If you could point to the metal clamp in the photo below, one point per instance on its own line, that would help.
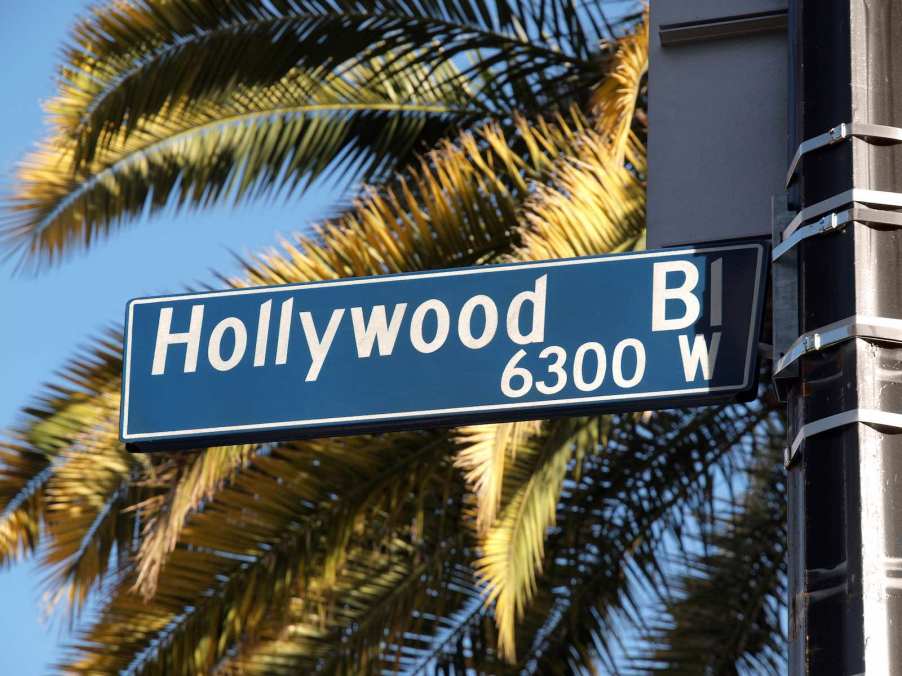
(856, 415)
(879, 197)
(862, 130)
(834, 220)
(856, 326)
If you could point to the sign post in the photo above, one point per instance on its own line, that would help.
(636, 331)
(845, 402)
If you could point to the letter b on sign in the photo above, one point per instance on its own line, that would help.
(681, 297)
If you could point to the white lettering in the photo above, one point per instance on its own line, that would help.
(284, 331)
(537, 298)
(214, 353)
(319, 348)
(441, 330)
(617, 362)
(165, 338)
(601, 365)
(262, 334)
(377, 328)
(661, 293)
(464, 322)
(556, 368)
(511, 371)
(700, 354)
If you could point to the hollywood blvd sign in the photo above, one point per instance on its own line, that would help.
(646, 330)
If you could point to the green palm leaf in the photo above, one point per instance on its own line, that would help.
(292, 517)
(130, 61)
(186, 103)
(230, 148)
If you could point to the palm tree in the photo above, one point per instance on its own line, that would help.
(479, 132)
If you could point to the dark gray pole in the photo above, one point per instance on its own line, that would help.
(845, 406)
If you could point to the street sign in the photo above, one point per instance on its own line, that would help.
(634, 331)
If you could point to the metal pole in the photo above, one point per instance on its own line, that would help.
(845, 405)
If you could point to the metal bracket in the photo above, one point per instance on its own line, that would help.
(785, 284)
(879, 197)
(834, 220)
(856, 326)
(862, 130)
(856, 415)
(722, 27)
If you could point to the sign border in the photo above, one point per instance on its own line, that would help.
(434, 415)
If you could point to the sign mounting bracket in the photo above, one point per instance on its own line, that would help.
(862, 130)
(722, 27)
(857, 326)
(834, 220)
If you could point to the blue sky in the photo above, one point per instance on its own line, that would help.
(49, 316)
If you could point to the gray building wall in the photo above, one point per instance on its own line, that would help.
(717, 120)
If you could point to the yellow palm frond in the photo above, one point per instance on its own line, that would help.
(22, 515)
(594, 205)
(596, 200)
(165, 517)
(182, 102)
(228, 148)
(614, 101)
(458, 207)
(64, 476)
(86, 515)
(289, 522)
(513, 547)
(368, 620)
(486, 450)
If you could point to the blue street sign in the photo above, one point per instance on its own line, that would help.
(635, 331)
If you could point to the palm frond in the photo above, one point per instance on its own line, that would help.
(231, 148)
(485, 451)
(341, 629)
(130, 61)
(86, 517)
(71, 415)
(614, 101)
(185, 103)
(596, 200)
(725, 613)
(594, 205)
(382, 610)
(23, 472)
(616, 522)
(513, 548)
(456, 208)
(291, 517)
(189, 486)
